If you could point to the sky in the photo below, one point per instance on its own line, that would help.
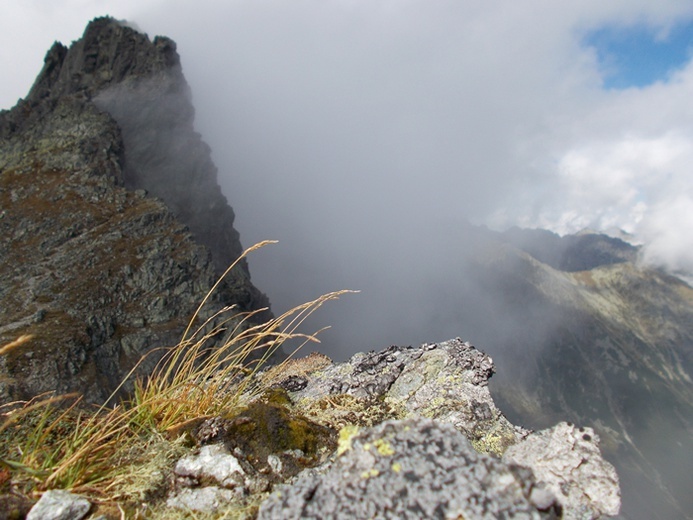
(363, 134)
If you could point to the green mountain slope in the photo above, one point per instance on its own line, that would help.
(612, 347)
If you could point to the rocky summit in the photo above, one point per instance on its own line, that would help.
(114, 227)
(401, 433)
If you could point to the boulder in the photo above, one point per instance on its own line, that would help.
(57, 504)
(567, 460)
(446, 381)
(416, 468)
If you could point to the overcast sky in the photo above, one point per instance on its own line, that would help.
(362, 133)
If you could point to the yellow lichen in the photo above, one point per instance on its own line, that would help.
(345, 436)
(494, 442)
(384, 447)
(370, 473)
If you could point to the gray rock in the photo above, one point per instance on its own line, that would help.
(567, 460)
(205, 499)
(213, 462)
(417, 468)
(57, 504)
(445, 381)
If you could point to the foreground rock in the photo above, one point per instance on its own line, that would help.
(417, 468)
(567, 460)
(445, 381)
(401, 433)
(59, 505)
(316, 439)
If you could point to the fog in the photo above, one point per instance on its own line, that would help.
(365, 135)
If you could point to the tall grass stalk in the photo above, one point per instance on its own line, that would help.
(195, 379)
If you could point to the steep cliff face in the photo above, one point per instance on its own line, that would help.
(113, 225)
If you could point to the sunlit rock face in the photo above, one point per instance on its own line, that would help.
(113, 225)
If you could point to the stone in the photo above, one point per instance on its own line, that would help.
(567, 460)
(57, 504)
(446, 381)
(205, 499)
(416, 468)
(213, 462)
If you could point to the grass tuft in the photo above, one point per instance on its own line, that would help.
(99, 451)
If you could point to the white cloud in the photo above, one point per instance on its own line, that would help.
(668, 231)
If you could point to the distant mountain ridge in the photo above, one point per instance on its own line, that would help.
(608, 343)
(579, 252)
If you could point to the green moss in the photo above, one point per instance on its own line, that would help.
(265, 428)
(277, 396)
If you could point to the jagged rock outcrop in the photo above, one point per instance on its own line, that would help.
(114, 226)
(446, 381)
(348, 440)
(419, 437)
(140, 83)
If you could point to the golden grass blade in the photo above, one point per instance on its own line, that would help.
(16, 343)
(228, 270)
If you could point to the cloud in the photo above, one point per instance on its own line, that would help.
(364, 134)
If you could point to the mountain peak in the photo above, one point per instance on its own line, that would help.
(111, 206)
(109, 52)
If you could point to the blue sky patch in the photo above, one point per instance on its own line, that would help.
(636, 56)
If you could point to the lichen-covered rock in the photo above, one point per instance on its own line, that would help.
(57, 504)
(417, 468)
(270, 437)
(444, 381)
(568, 461)
(388, 461)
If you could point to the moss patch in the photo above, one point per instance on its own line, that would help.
(265, 427)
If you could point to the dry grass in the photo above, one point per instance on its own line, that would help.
(21, 340)
(97, 452)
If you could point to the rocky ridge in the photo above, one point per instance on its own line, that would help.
(352, 440)
(115, 227)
